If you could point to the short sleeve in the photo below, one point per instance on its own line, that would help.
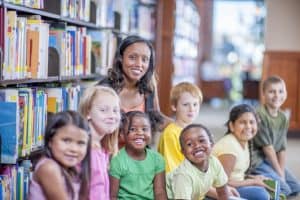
(221, 178)
(262, 137)
(115, 167)
(180, 190)
(284, 137)
(169, 147)
(160, 163)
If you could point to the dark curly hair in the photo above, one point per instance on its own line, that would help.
(116, 74)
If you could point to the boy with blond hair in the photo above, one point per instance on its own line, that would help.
(186, 99)
(270, 143)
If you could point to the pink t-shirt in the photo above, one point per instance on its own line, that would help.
(36, 191)
(99, 188)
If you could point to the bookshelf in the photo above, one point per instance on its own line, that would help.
(186, 42)
(48, 54)
(178, 42)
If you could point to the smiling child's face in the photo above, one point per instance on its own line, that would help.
(139, 134)
(196, 147)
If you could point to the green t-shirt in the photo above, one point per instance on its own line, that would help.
(136, 176)
(271, 131)
(188, 182)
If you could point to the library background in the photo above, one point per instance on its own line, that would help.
(51, 50)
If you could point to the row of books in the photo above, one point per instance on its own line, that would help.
(186, 42)
(187, 9)
(38, 4)
(75, 9)
(104, 46)
(185, 48)
(26, 48)
(129, 16)
(73, 50)
(24, 114)
(14, 181)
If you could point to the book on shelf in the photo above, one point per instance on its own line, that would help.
(8, 132)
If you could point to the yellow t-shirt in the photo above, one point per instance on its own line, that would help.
(169, 146)
(230, 145)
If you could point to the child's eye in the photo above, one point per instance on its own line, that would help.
(81, 143)
(146, 129)
(67, 140)
(116, 110)
(132, 129)
(203, 141)
(189, 144)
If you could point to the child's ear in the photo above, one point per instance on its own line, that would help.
(88, 117)
(173, 108)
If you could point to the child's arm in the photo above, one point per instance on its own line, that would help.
(114, 187)
(222, 193)
(160, 186)
(50, 178)
(281, 159)
(228, 161)
(272, 157)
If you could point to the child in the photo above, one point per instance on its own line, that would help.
(185, 102)
(271, 141)
(101, 107)
(67, 146)
(233, 152)
(137, 172)
(199, 171)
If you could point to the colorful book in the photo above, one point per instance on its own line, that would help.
(274, 190)
(8, 132)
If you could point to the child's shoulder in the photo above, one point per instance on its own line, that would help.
(47, 167)
(170, 129)
(154, 153)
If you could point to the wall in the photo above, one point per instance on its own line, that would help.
(282, 25)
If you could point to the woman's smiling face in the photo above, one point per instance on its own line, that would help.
(135, 60)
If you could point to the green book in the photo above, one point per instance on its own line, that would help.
(274, 190)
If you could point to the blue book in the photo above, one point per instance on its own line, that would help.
(8, 133)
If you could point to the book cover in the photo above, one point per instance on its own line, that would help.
(8, 132)
(274, 190)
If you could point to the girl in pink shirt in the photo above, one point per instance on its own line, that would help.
(63, 172)
(100, 105)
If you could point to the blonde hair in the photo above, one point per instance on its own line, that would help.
(109, 142)
(271, 80)
(182, 87)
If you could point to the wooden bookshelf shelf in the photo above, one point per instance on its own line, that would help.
(27, 80)
(32, 11)
(79, 23)
(50, 15)
(79, 78)
(54, 79)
